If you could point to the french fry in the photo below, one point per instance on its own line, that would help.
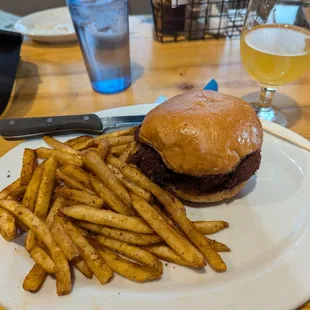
(210, 227)
(10, 188)
(110, 198)
(43, 259)
(69, 203)
(63, 158)
(122, 235)
(80, 197)
(13, 198)
(178, 215)
(218, 246)
(95, 164)
(34, 279)
(77, 174)
(81, 266)
(29, 164)
(133, 187)
(105, 217)
(57, 145)
(128, 269)
(117, 150)
(8, 227)
(124, 132)
(45, 153)
(90, 149)
(114, 161)
(133, 252)
(58, 203)
(103, 148)
(31, 193)
(84, 232)
(30, 241)
(77, 140)
(63, 241)
(168, 234)
(198, 239)
(35, 224)
(63, 276)
(94, 261)
(19, 192)
(73, 184)
(43, 197)
(178, 204)
(166, 218)
(128, 152)
(83, 145)
(21, 227)
(114, 141)
(167, 254)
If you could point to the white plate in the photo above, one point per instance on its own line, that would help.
(268, 267)
(48, 26)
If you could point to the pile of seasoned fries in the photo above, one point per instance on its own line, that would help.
(84, 206)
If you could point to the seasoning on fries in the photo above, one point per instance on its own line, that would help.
(85, 207)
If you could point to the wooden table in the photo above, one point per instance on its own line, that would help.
(52, 80)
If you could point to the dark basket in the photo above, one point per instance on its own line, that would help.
(198, 19)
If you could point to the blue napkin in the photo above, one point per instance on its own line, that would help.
(212, 85)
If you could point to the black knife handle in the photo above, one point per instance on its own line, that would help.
(26, 128)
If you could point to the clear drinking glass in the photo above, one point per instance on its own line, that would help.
(275, 48)
(103, 33)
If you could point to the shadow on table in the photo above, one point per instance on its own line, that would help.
(50, 45)
(284, 103)
(26, 86)
(136, 71)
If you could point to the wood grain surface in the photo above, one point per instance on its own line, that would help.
(52, 80)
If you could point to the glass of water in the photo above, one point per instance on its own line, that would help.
(103, 33)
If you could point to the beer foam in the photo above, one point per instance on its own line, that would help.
(279, 40)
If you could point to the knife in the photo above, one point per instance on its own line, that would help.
(28, 128)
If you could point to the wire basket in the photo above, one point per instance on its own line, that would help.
(180, 20)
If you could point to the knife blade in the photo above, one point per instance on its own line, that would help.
(29, 128)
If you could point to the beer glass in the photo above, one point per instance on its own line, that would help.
(275, 48)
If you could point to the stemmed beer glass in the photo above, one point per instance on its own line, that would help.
(275, 48)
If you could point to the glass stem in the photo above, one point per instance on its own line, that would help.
(264, 103)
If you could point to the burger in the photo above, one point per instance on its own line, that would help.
(203, 146)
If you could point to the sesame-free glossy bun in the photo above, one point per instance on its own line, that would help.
(207, 198)
(201, 133)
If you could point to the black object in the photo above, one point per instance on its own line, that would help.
(27, 128)
(179, 22)
(169, 20)
(10, 45)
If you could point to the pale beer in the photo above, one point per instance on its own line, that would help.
(275, 54)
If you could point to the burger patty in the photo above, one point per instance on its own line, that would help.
(151, 164)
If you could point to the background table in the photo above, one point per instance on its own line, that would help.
(52, 80)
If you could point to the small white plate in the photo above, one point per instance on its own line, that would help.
(268, 267)
(48, 26)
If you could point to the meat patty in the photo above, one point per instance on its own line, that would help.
(151, 164)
